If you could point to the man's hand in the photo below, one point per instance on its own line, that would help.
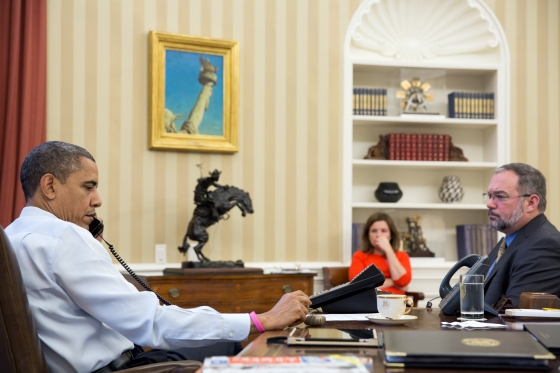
(290, 310)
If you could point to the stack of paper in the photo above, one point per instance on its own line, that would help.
(286, 364)
(526, 312)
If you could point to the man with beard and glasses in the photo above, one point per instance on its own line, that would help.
(528, 257)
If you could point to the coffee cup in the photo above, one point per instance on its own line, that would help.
(394, 306)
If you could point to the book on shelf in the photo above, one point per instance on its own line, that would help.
(357, 229)
(477, 239)
(417, 147)
(471, 105)
(369, 101)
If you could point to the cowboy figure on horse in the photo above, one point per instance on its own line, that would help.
(203, 198)
(211, 206)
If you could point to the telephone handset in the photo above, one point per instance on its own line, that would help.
(95, 228)
(356, 296)
(450, 303)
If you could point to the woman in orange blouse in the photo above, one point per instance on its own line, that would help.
(380, 246)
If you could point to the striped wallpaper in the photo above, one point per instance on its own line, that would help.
(290, 117)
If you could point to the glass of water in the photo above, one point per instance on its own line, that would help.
(472, 297)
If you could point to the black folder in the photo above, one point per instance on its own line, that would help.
(547, 334)
(464, 349)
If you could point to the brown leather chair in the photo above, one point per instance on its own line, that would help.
(334, 276)
(20, 348)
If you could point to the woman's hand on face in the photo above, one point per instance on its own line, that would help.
(383, 244)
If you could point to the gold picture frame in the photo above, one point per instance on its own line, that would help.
(194, 84)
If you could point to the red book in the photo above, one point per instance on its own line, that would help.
(407, 147)
(429, 147)
(414, 147)
(397, 146)
(436, 148)
(439, 148)
(417, 147)
(425, 147)
(391, 140)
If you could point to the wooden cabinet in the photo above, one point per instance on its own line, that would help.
(227, 294)
(469, 56)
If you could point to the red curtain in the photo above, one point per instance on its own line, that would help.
(23, 78)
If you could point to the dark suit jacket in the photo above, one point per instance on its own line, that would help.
(530, 263)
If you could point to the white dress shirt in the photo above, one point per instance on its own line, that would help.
(86, 313)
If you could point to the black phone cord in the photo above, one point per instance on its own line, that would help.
(131, 272)
(429, 303)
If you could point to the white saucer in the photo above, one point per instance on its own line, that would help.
(377, 318)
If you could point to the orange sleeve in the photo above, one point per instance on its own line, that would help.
(404, 259)
(358, 264)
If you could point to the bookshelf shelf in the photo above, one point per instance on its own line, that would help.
(473, 166)
(379, 57)
(419, 206)
(372, 120)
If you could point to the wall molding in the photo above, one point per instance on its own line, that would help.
(417, 31)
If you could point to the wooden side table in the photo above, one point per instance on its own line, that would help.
(227, 294)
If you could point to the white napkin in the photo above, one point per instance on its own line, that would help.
(471, 324)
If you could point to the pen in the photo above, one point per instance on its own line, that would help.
(551, 309)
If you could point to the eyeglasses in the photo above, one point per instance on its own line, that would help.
(500, 198)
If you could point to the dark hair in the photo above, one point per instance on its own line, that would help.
(395, 236)
(531, 181)
(52, 157)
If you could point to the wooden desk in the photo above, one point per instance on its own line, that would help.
(427, 320)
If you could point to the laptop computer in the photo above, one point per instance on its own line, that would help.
(474, 349)
(547, 334)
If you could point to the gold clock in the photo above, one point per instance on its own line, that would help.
(414, 96)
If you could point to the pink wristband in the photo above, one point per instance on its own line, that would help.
(256, 321)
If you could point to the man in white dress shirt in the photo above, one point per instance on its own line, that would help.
(88, 317)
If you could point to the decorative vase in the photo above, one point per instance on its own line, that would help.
(388, 192)
(451, 189)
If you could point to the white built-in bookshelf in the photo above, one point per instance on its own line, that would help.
(456, 46)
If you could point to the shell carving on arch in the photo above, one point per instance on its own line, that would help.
(421, 30)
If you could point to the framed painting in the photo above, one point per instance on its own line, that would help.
(194, 83)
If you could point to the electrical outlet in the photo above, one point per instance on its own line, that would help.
(161, 253)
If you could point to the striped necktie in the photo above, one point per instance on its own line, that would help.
(501, 250)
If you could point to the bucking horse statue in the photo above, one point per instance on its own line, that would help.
(211, 207)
